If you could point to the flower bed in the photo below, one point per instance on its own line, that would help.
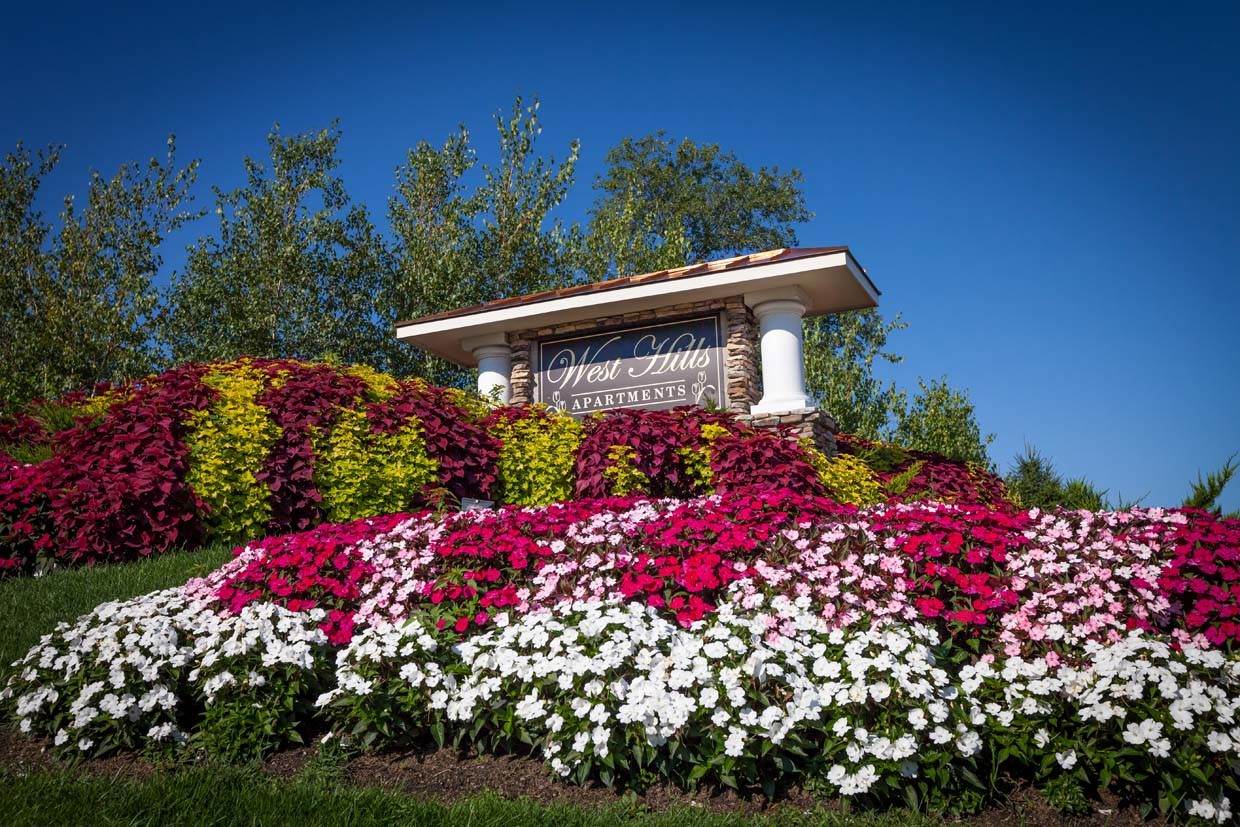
(238, 450)
(921, 652)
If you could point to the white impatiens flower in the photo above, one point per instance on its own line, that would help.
(970, 743)
(1148, 730)
(531, 707)
(1066, 759)
(1218, 742)
(1203, 808)
(734, 746)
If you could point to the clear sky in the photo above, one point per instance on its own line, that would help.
(1049, 196)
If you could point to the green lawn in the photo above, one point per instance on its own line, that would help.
(32, 606)
(205, 797)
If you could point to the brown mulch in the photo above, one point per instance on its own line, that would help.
(446, 776)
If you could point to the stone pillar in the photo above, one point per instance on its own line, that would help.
(783, 357)
(521, 380)
(494, 366)
(742, 356)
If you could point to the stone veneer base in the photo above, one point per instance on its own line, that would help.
(808, 423)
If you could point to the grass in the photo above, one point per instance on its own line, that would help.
(32, 606)
(203, 797)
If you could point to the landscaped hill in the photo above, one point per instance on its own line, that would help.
(670, 597)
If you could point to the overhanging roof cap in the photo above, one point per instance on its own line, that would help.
(830, 277)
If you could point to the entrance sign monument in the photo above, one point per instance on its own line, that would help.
(653, 366)
(688, 336)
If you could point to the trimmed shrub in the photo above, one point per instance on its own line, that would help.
(359, 472)
(229, 443)
(537, 454)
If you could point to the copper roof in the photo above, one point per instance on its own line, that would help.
(702, 269)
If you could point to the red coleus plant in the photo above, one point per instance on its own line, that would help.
(118, 488)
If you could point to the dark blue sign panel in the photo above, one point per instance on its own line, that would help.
(657, 366)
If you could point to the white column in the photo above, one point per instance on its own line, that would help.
(783, 356)
(494, 366)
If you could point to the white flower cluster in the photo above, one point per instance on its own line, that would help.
(587, 679)
(1138, 690)
(126, 670)
(581, 677)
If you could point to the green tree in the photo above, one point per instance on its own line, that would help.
(294, 270)
(458, 244)
(841, 352)
(657, 196)
(941, 418)
(1204, 493)
(76, 303)
(663, 205)
(1034, 483)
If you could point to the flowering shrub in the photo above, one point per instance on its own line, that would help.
(905, 652)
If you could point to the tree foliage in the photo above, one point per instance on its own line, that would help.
(76, 305)
(1034, 483)
(296, 268)
(841, 353)
(1205, 491)
(458, 244)
(941, 419)
(292, 271)
(659, 197)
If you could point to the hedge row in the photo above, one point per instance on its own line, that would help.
(238, 450)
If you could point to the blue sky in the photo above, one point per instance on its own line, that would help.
(1048, 196)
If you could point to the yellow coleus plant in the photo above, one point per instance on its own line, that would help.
(228, 444)
(360, 473)
(698, 460)
(622, 472)
(537, 458)
(847, 478)
(379, 386)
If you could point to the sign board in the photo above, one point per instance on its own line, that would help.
(654, 366)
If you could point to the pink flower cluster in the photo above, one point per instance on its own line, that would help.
(1026, 583)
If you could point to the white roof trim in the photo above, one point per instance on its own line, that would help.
(834, 283)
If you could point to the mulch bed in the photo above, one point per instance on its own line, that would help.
(446, 776)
